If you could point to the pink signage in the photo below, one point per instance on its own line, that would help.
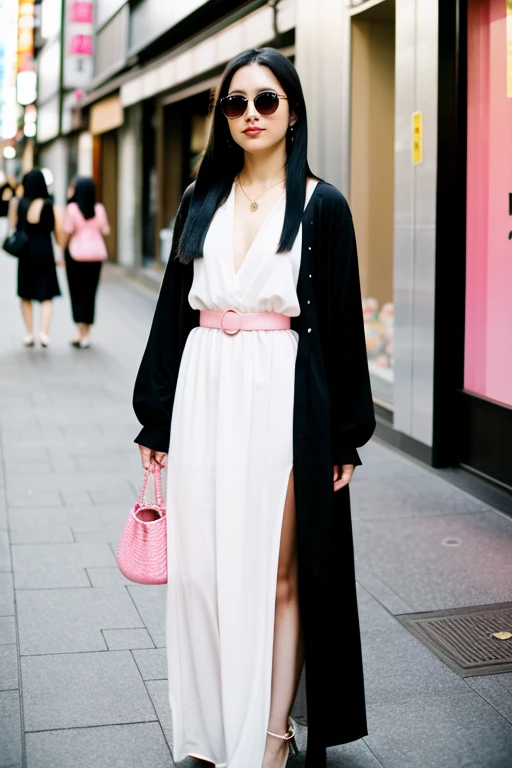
(81, 13)
(488, 345)
(80, 45)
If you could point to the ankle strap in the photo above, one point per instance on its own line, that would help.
(290, 733)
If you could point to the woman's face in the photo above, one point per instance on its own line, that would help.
(252, 131)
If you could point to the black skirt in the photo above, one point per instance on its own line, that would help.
(37, 275)
(83, 278)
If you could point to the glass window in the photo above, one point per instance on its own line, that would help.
(488, 344)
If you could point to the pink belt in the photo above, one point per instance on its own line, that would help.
(231, 321)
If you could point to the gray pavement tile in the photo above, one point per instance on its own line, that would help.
(109, 535)
(83, 689)
(41, 534)
(403, 497)
(26, 497)
(8, 667)
(127, 639)
(455, 729)
(41, 437)
(139, 745)
(7, 630)
(159, 692)
(357, 754)
(15, 453)
(122, 494)
(38, 467)
(152, 663)
(5, 552)
(4, 523)
(6, 595)
(376, 587)
(496, 689)
(69, 481)
(82, 515)
(10, 730)
(372, 614)
(107, 577)
(151, 604)
(61, 460)
(43, 566)
(71, 620)
(409, 556)
(74, 498)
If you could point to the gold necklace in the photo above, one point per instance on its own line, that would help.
(254, 205)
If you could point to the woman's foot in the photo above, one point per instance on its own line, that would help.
(85, 343)
(28, 341)
(44, 339)
(277, 753)
(75, 343)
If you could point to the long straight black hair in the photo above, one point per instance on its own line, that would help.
(85, 196)
(224, 159)
(34, 185)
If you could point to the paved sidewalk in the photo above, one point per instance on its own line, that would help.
(85, 647)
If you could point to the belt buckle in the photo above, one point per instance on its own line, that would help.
(225, 330)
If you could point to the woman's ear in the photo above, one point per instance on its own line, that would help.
(293, 119)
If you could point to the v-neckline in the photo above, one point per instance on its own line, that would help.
(263, 224)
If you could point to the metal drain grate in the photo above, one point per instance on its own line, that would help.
(462, 637)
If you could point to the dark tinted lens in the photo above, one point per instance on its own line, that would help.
(266, 103)
(233, 106)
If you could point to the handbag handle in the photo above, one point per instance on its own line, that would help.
(156, 472)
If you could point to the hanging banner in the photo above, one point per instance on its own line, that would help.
(26, 78)
(78, 45)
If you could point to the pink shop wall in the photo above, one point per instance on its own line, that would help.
(488, 344)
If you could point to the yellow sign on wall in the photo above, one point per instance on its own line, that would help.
(509, 49)
(417, 138)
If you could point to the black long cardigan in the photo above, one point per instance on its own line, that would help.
(333, 415)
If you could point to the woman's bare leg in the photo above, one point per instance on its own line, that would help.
(83, 330)
(46, 315)
(28, 316)
(288, 654)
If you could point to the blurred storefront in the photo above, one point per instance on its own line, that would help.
(476, 187)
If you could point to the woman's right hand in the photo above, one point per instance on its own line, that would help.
(149, 456)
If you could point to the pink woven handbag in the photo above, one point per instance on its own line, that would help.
(142, 550)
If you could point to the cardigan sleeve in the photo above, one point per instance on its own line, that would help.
(156, 380)
(352, 412)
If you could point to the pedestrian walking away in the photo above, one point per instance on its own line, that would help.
(85, 222)
(37, 275)
(7, 187)
(254, 391)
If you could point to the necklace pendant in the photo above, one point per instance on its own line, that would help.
(254, 207)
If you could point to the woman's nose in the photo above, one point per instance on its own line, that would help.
(251, 112)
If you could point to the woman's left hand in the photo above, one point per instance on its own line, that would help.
(342, 475)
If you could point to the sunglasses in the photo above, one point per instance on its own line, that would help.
(265, 103)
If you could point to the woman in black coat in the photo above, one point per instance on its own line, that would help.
(37, 275)
(255, 219)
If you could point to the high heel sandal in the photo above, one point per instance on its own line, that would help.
(289, 736)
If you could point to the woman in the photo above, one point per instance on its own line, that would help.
(37, 274)
(86, 221)
(265, 424)
(6, 194)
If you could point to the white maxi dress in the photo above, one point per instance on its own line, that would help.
(230, 458)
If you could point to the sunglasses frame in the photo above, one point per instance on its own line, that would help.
(224, 98)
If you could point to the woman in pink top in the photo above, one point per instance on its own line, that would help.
(86, 221)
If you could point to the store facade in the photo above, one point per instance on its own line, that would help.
(473, 385)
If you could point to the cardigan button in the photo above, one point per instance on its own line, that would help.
(310, 275)
(309, 247)
(309, 330)
(309, 302)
